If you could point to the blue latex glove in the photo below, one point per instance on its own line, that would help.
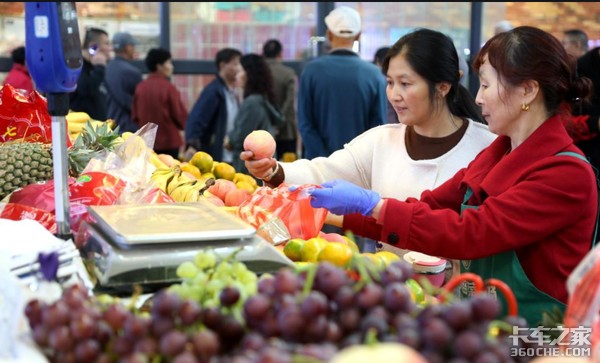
(341, 197)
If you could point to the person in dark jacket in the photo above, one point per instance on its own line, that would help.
(284, 88)
(19, 77)
(258, 111)
(156, 100)
(121, 80)
(90, 94)
(212, 116)
(340, 96)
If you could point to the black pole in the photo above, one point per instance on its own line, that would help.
(475, 43)
(165, 26)
(323, 9)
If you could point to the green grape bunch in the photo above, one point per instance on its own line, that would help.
(205, 280)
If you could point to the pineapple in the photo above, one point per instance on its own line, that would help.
(25, 163)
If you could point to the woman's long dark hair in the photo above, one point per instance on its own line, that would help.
(433, 56)
(259, 79)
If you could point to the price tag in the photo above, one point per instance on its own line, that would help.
(41, 27)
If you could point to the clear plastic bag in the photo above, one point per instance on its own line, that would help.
(584, 299)
(130, 161)
(275, 232)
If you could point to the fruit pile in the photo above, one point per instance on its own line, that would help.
(333, 248)
(184, 181)
(214, 316)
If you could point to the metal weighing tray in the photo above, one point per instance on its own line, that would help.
(130, 225)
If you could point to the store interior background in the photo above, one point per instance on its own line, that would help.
(199, 30)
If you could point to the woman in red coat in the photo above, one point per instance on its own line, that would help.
(525, 210)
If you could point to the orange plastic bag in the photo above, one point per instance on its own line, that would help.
(25, 119)
(293, 208)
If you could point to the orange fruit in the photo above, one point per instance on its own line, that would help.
(378, 261)
(208, 176)
(192, 170)
(337, 253)
(352, 245)
(312, 248)
(248, 179)
(244, 185)
(202, 161)
(224, 171)
(387, 256)
(238, 177)
(289, 157)
(293, 249)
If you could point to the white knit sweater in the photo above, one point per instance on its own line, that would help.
(378, 160)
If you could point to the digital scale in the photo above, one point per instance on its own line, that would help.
(144, 244)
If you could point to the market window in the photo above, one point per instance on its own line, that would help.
(200, 30)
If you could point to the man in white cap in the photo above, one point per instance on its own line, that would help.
(340, 96)
(121, 80)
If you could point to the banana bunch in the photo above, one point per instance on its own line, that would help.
(76, 122)
(163, 177)
(190, 191)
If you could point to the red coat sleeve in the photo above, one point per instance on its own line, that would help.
(541, 204)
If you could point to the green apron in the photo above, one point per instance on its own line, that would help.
(507, 268)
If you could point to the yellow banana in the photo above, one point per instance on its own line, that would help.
(126, 135)
(77, 118)
(133, 148)
(156, 161)
(180, 192)
(193, 194)
(173, 183)
(162, 181)
(163, 176)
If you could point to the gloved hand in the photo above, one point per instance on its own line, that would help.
(341, 197)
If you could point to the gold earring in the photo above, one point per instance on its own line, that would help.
(525, 107)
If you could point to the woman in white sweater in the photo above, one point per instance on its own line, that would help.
(439, 133)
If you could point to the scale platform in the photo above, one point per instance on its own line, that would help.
(144, 244)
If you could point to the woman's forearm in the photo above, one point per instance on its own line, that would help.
(334, 220)
(377, 209)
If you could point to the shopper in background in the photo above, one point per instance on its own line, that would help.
(340, 95)
(391, 117)
(258, 111)
(156, 100)
(440, 129)
(121, 80)
(284, 88)
(90, 94)
(213, 114)
(525, 210)
(18, 76)
(575, 42)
